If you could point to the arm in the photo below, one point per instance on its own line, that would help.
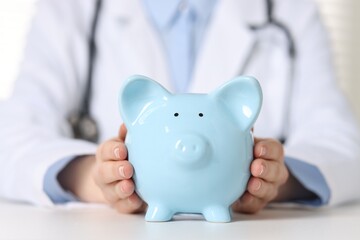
(322, 131)
(323, 138)
(34, 129)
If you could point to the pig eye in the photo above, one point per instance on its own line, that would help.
(176, 114)
(201, 114)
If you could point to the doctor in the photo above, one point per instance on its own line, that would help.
(188, 46)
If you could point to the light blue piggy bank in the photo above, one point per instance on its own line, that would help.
(191, 152)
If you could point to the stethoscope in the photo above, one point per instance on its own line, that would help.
(84, 125)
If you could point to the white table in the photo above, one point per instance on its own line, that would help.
(21, 221)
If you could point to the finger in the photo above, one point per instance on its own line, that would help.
(112, 171)
(261, 189)
(119, 190)
(111, 150)
(270, 171)
(269, 149)
(122, 132)
(248, 204)
(132, 204)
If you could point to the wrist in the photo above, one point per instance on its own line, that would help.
(293, 190)
(77, 178)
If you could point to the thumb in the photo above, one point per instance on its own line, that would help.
(122, 132)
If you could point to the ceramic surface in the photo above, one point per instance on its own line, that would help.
(191, 152)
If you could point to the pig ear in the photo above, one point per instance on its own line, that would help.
(137, 95)
(242, 98)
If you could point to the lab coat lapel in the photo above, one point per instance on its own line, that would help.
(139, 41)
(226, 48)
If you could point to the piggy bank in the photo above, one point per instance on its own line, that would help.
(191, 153)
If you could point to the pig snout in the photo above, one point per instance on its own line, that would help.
(191, 149)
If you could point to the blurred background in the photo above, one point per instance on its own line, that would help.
(340, 17)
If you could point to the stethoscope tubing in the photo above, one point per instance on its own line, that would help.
(89, 131)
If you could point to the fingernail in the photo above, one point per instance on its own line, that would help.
(246, 199)
(133, 200)
(121, 170)
(262, 151)
(260, 170)
(117, 152)
(257, 186)
(130, 200)
(122, 189)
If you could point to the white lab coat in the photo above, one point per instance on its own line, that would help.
(34, 131)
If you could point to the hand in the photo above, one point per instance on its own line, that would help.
(113, 174)
(104, 178)
(268, 174)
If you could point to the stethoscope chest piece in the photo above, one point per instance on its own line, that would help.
(84, 127)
